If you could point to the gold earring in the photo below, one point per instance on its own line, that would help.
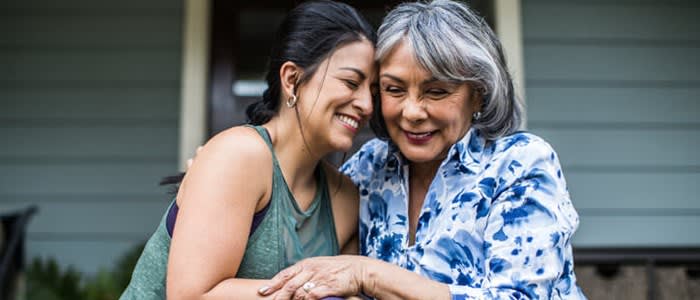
(292, 101)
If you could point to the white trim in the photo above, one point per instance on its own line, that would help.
(195, 62)
(249, 88)
(509, 30)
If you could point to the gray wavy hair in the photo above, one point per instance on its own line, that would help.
(455, 44)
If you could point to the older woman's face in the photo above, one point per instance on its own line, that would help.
(423, 116)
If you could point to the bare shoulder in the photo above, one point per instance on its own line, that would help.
(240, 142)
(238, 147)
(233, 159)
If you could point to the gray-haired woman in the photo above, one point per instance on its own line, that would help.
(455, 202)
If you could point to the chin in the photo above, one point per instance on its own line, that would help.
(341, 145)
(341, 140)
(418, 155)
(420, 158)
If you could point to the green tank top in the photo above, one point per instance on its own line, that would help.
(285, 236)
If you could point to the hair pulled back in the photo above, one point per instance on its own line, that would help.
(307, 35)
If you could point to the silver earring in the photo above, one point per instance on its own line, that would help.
(292, 101)
(476, 115)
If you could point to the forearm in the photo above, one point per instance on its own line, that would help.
(233, 288)
(382, 280)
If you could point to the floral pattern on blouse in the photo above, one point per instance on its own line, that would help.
(496, 222)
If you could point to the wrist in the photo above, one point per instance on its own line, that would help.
(368, 276)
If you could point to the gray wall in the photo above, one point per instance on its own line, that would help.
(89, 106)
(615, 87)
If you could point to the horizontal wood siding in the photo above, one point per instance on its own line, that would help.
(89, 108)
(614, 86)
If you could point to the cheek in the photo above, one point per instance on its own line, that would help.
(338, 95)
(389, 109)
(454, 118)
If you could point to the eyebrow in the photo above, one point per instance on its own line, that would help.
(429, 80)
(392, 77)
(359, 73)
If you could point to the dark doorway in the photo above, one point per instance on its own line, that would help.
(242, 32)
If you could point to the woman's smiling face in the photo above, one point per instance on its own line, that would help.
(337, 100)
(424, 116)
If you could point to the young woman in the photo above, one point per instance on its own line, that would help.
(259, 198)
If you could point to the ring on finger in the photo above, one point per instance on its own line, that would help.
(308, 286)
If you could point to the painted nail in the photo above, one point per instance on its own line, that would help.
(263, 290)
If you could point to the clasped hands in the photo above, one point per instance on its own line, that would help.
(318, 277)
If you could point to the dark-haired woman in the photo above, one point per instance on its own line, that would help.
(259, 198)
(455, 201)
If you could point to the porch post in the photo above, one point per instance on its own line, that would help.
(509, 30)
(194, 78)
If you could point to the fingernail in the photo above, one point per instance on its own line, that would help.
(264, 290)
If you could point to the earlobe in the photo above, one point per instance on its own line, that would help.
(289, 78)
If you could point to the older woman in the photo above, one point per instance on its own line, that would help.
(454, 201)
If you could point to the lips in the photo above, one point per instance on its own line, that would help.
(419, 137)
(349, 122)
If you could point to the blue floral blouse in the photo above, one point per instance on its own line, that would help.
(496, 223)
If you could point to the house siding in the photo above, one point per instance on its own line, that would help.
(89, 107)
(614, 86)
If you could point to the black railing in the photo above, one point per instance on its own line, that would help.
(12, 250)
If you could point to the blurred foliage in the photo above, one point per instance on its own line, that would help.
(47, 281)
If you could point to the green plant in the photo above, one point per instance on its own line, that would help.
(109, 284)
(46, 280)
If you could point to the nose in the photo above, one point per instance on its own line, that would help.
(363, 103)
(413, 110)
